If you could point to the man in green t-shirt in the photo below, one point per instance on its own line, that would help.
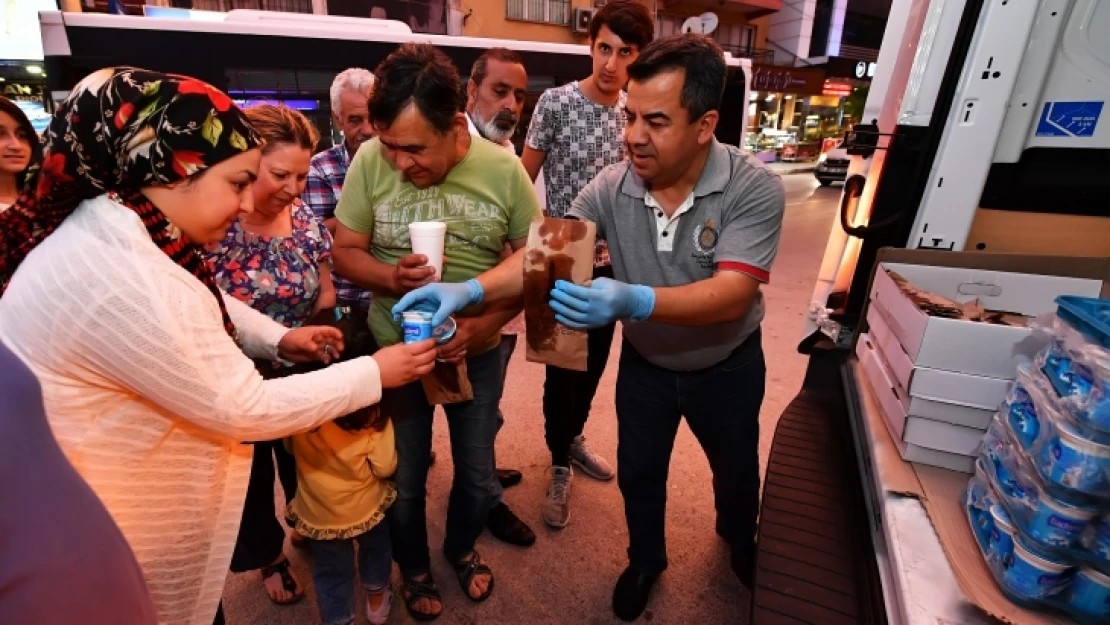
(425, 166)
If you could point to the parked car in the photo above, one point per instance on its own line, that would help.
(832, 166)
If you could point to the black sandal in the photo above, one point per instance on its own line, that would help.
(413, 591)
(287, 581)
(467, 569)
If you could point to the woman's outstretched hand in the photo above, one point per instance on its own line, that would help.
(311, 344)
(400, 364)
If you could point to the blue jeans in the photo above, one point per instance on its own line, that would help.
(472, 426)
(333, 572)
(721, 405)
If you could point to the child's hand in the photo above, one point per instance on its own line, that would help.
(400, 364)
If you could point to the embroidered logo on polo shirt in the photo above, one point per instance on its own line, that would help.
(705, 237)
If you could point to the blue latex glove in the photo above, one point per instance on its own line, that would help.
(444, 299)
(601, 303)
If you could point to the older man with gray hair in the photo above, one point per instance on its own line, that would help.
(350, 92)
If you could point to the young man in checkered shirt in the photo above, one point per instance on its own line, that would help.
(577, 130)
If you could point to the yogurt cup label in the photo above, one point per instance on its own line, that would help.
(1049, 580)
(1068, 525)
(416, 327)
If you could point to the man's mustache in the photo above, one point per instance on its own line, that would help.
(506, 118)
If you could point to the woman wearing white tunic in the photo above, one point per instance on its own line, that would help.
(145, 370)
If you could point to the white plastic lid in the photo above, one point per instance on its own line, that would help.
(427, 227)
(1002, 519)
(1073, 511)
(1096, 576)
(1075, 440)
(1040, 562)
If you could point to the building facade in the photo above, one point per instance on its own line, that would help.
(785, 92)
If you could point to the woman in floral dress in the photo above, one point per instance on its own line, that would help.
(276, 260)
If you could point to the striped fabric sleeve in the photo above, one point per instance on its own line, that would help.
(751, 225)
(761, 275)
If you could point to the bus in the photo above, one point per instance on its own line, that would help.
(292, 57)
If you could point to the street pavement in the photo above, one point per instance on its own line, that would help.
(568, 575)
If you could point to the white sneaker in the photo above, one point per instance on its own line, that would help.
(382, 614)
(556, 508)
(591, 464)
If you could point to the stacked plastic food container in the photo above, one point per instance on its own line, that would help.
(1039, 503)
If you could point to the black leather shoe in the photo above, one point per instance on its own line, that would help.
(508, 477)
(507, 527)
(630, 596)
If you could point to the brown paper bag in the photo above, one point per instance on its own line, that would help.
(558, 249)
(448, 383)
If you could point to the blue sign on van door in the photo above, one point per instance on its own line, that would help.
(1069, 119)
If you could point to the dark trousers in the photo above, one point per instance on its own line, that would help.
(472, 426)
(505, 352)
(261, 536)
(721, 405)
(567, 394)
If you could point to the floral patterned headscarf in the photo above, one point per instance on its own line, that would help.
(120, 130)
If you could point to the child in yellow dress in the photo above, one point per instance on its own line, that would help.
(343, 492)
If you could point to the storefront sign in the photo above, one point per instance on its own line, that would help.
(855, 69)
(21, 93)
(836, 88)
(798, 80)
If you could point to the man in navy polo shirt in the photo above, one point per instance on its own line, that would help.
(693, 228)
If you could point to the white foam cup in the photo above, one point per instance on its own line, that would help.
(427, 239)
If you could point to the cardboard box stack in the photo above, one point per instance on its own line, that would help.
(943, 345)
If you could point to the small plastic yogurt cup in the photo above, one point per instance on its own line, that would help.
(1089, 593)
(1058, 523)
(1034, 576)
(1094, 381)
(1022, 415)
(1069, 459)
(1102, 539)
(1017, 491)
(416, 326)
(1057, 366)
(1002, 535)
